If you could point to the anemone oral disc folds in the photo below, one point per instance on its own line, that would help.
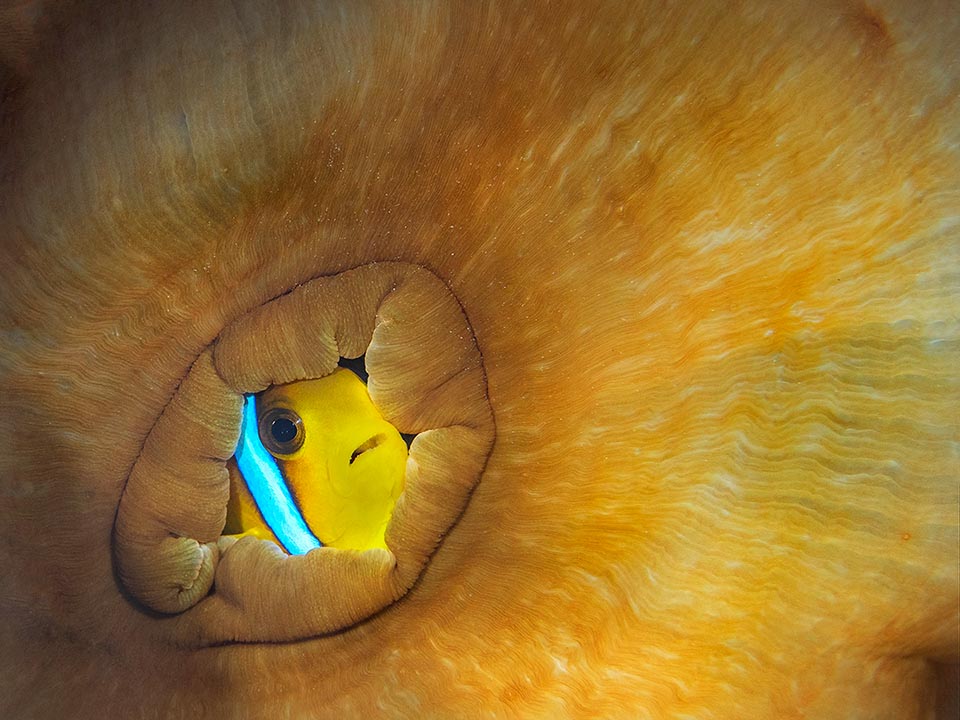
(426, 377)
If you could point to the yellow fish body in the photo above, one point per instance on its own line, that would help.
(342, 464)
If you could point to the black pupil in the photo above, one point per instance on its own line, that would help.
(283, 430)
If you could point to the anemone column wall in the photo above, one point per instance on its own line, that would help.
(708, 254)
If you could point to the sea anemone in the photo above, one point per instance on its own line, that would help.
(664, 296)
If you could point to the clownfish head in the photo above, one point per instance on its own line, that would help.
(316, 465)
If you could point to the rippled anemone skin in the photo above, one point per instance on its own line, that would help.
(709, 255)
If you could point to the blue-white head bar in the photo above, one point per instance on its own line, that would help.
(268, 488)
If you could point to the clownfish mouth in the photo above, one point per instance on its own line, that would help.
(275, 497)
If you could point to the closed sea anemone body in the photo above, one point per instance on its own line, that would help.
(664, 297)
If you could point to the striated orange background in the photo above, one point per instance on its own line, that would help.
(709, 252)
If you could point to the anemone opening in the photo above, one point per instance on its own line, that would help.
(396, 325)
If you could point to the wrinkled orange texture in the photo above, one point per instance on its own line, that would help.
(709, 254)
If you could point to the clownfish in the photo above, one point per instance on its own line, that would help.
(316, 464)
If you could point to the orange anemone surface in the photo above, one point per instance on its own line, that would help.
(667, 293)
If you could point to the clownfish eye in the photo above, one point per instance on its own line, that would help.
(281, 431)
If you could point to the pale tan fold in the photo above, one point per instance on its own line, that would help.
(426, 375)
(174, 504)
